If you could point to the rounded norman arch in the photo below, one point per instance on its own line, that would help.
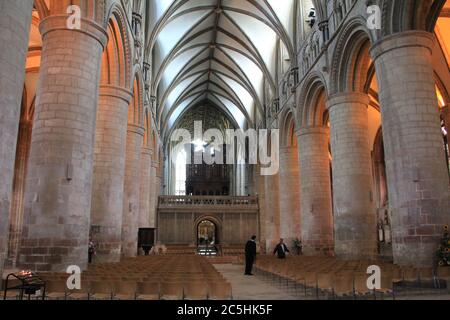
(288, 127)
(351, 60)
(311, 101)
(215, 220)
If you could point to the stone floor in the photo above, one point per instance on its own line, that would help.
(258, 288)
(250, 287)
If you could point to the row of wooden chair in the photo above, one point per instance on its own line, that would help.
(232, 250)
(149, 278)
(346, 278)
(130, 290)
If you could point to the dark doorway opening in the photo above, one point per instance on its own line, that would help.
(146, 239)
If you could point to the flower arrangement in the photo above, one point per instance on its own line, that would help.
(443, 252)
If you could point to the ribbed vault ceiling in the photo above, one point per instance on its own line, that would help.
(221, 52)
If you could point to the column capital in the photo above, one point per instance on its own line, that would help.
(140, 130)
(414, 38)
(87, 26)
(310, 130)
(155, 163)
(347, 97)
(147, 150)
(116, 92)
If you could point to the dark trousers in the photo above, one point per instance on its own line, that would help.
(249, 260)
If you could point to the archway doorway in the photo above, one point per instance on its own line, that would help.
(206, 233)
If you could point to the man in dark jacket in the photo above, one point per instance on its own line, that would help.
(281, 250)
(250, 255)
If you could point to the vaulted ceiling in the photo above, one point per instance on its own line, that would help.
(220, 52)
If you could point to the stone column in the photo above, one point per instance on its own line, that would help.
(445, 111)
(17, 205)
(260, 183)
(315, 189)
(109, 172)
(15, 20)
(131, 192)
(354, 217)
(59, 181)
(289, 195)
(153, 194)
(418, 181)
(158, 180)
(273, 211)
(145, 188)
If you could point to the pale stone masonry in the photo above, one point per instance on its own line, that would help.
(74, 164)
(154, 188)
(315, 182)
(260, 183)
(289, 195)
(59, 182)
(15, 20)
(131, 192)
(416, 170)
(354, 216)
(109, 172)
(145, 218)
(272, 221)
(17, 205)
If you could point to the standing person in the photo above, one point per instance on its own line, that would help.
(250, 255)
(91, 250)
(281, 250)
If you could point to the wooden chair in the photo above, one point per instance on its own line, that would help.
(410, 274)
(343, 286)
(387, 284)
(427, 275)
(195, 290)
(309, 280)
(81, 294)
(172, 290)
(100, 290)
(125, 290)
(324, 282)
(220, 291)
(148, 291)
(443, 275)
(360, 285)
(56, 290)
